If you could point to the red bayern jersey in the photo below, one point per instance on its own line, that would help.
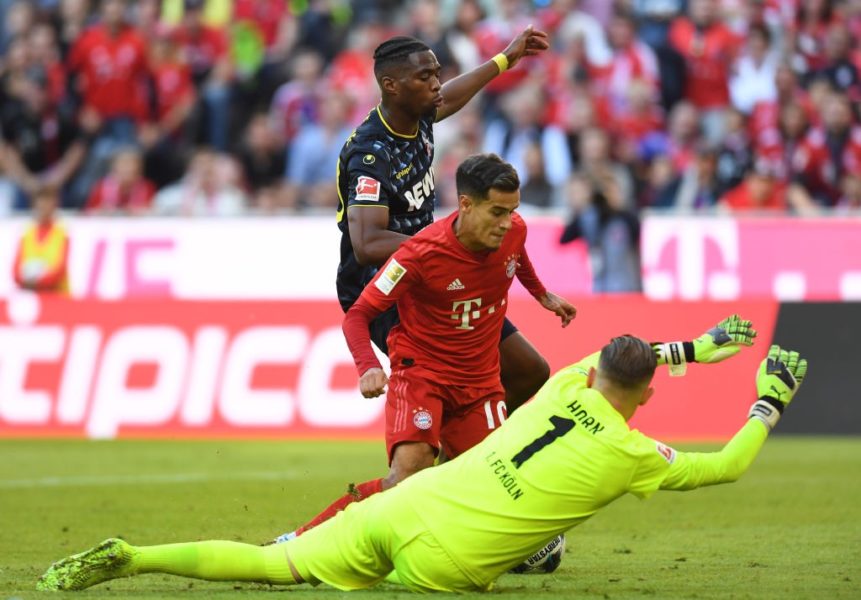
(265, 14)
(708, 55)
(173, 87)
(113, 70)
(451, 302)
(202, 47)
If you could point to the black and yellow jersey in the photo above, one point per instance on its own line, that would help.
(380, 168)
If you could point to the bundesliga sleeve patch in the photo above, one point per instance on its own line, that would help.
(668, 453)
(367, 189)
(389, 278)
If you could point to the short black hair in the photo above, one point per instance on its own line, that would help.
(628, 361)
(395, 52)
(480, 173)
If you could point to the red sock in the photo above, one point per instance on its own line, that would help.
(355, 493)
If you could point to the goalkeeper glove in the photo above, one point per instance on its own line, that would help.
(718, 343)
(779, 377)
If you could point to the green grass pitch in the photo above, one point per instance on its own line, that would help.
(791, 528)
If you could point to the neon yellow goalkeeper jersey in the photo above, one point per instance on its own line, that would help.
(557, 461)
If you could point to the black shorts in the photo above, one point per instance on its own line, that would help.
(382, 325)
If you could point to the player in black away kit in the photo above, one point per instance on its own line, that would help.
(386, 184)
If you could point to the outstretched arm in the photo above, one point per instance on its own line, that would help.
(458, 91)
(777, 381)
(717, 344)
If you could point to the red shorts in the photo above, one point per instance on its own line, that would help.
(456, 418)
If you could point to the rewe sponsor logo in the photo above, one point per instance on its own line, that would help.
(421, 191)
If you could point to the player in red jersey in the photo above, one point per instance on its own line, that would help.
(450, 282)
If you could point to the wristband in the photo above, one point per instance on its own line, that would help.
(677, 355)
(501, 61)
(766, 410)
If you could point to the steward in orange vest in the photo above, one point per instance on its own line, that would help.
(43, 252)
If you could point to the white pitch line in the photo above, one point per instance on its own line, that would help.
(98, 480)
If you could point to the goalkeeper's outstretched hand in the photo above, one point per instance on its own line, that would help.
(780, 374)
(778, 379)
(718, 343)
(724, 340)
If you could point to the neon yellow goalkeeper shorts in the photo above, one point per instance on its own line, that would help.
(361, 545)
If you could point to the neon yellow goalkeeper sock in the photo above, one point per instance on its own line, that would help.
(217, 561)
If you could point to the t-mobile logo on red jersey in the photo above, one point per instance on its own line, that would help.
(468, 310)
(463, 311)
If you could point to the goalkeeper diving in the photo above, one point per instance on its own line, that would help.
(459, 526)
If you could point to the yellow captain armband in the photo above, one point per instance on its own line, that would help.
(501, 61)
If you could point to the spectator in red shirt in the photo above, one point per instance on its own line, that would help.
(777, 145)
(124, 190)
(760, 191)
(167, 138)
(493, 32)
(638, 118)
(352, 70)
(206, 51)
(766, 113)
(272, 19)
(109, 61)
(108, 66)
(827, 154)
(808, 37)
(631, 61)
(709, 48)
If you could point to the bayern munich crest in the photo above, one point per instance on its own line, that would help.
(511, 267)
(422, 419)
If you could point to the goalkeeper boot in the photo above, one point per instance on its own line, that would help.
(545, 560)
(109, 560)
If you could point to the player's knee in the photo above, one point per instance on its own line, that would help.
(521, 365)
(407, 460)
(541, 370)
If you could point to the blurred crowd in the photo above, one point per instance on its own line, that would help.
(230, 107)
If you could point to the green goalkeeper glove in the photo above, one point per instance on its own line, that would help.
(718, 343)
(779, 377)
